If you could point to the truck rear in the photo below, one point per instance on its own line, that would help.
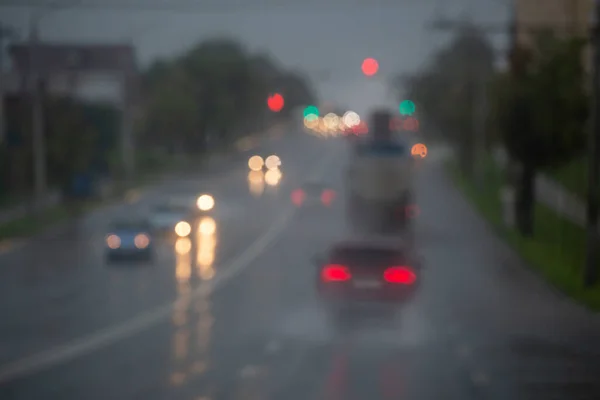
(379, 183)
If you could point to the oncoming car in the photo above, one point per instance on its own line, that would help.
(177, 215)
(129, 239)
(257, 163)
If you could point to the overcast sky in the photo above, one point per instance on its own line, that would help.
(328, 37)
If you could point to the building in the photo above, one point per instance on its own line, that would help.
(565, 17)
(97, 71)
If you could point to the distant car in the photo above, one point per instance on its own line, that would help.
(257, 163)
(313, 194)
(165, 217)
(367, 271)
(129, 239)
(179, 213)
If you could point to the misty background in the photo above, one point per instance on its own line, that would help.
(326, 40)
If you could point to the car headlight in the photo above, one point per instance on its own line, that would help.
(183, 229)
(141, 241)
(205, 202)
(113, 241)
(272, 162)
(256, 163)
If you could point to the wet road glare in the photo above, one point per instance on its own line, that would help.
(231, 312)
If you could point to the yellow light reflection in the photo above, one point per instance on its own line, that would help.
(183, 269)
(207, 243)
(207, 226)
(181, 344)
(183, 246)
(273, 177)
(256, 182)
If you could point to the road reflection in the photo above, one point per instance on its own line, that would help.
(256, 183)
(192, 318)
(273, 177)
(205, 248)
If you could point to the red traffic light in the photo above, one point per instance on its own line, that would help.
(275, 102)
(370, 66)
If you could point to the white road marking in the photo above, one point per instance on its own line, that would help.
(105, 337)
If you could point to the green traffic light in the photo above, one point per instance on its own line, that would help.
(311, 110)
(407, 107)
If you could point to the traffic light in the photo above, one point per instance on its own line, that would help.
(275, 102)
(311, 110)
(370, 66)
(407, 107)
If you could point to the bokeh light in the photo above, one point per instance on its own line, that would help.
(113, 242)
(275, 102)
(419, 150)
(311, 121)
(256, 163)
(407, 107)
(351, 119)
(411, 124)
(183, 245)
(207, 226)
(273, 177)
(327, 197)
(298, 197)
(183, 229)
(370, 66)
(311, 110)
(331, 121)
(205, 202)
(256, 182)
(273, 162)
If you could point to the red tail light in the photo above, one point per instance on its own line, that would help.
(335, 273)
(401, 275)
(298, 196)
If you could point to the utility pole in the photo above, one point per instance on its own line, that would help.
(6, 34)
(38, 139)
(477, 87)
(127, 144)
(593, 197)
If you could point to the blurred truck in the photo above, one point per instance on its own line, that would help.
(379, 182)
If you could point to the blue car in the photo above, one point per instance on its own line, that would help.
(129, 240)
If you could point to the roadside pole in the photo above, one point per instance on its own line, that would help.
(6, 34)
(38, 139)
(593, 197)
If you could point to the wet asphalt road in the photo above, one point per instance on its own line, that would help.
(233, 315)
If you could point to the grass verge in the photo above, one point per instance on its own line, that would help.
(573, 176)
(557, 249)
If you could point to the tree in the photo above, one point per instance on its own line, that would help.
(445, 91)
(214, 93)
(542, 109)
(71, 141)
